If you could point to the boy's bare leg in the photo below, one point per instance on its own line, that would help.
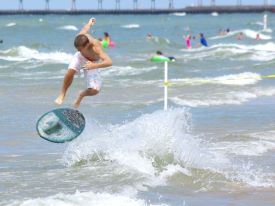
(87, 92)
(68, 79)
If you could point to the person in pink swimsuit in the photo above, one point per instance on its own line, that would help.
(107, 38)
(188, 41)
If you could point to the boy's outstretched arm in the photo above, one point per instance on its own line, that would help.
(88, 26)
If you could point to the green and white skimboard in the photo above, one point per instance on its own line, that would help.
(60, 125)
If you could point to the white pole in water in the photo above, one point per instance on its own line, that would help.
(265, 22)
(165, 86)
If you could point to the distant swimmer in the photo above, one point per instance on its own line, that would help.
(160, 54)
(107, 42)
(107, 37)
(187, 28)
(240, 36)
(149, 36)
(258, 37)
(203, 41)
(224, 32)
(188, 41)
(89, 57)
(1, 41)
(227, 31)
(221, 32)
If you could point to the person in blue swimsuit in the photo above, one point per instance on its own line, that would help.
(203, 40)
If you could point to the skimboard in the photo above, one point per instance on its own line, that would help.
(60, 125)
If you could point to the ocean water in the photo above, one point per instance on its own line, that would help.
(215, 146)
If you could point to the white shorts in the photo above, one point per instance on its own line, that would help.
(93, 78)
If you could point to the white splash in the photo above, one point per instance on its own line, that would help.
(134, 145)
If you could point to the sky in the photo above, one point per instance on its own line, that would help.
(109, 4)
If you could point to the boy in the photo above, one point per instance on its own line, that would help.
(90, 57)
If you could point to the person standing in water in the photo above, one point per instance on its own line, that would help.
(90, 57)
(203, 41)
(188, 41)
(107, 37)
(149, 36)
(107, 42)
(240, 36)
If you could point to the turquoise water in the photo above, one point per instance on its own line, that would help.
(214, 146)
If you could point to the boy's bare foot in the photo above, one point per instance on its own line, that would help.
(59, 100)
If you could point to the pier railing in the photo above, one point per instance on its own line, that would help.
(190, 9)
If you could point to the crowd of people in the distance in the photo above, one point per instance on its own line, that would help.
(203, 42)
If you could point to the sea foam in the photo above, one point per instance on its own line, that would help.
(258, 52)
(83, 198)
(23, 53)
(247, 32)
(234, 98)
(131, 26)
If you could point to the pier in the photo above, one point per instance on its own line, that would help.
(188, 10)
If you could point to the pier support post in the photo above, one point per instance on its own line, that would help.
(73, 5)
(20, 7)
(117, 4)
(135, 4)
